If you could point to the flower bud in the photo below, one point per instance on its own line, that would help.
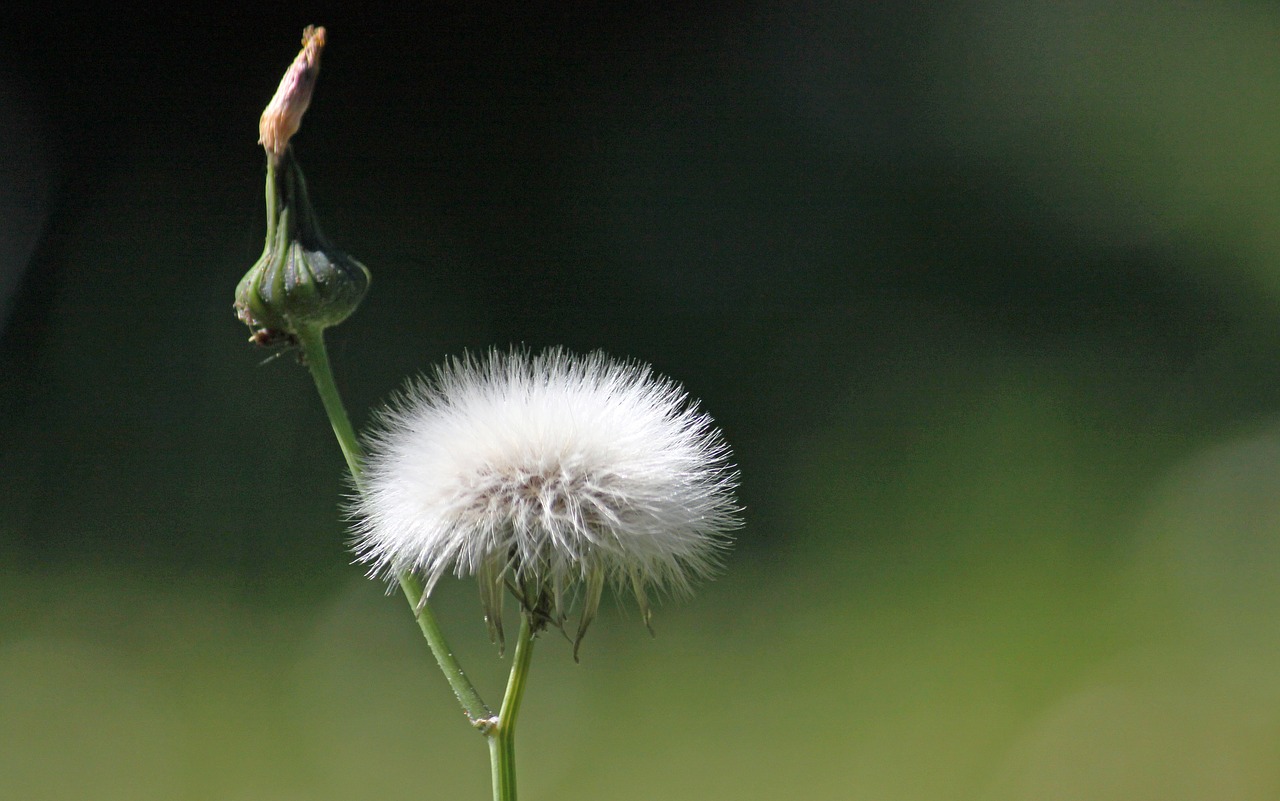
(283, 115)
(301, 281)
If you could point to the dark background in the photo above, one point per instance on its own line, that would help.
(984, 295)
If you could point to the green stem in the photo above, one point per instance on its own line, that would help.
(273, 201)
(478, 712)
(317, 358)
(502, 737)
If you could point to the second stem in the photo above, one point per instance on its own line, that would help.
(502, 738)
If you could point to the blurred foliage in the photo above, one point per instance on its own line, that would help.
(985, 297)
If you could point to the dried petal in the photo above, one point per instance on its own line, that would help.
(283, 115)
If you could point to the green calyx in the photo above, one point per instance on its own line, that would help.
(301, 282)
(544, 600)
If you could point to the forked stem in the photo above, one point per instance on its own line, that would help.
(502, 737)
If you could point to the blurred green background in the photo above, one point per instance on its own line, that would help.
(985, 295)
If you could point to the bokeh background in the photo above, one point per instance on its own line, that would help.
(985, 295)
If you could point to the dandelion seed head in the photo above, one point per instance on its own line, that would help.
(546, 471)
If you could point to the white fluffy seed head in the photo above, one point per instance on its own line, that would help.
(542, 472)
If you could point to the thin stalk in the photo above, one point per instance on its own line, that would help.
(478, 712)
(502, 738)
(273, 200)
(317, 358)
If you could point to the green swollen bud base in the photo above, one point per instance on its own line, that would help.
(301, 280)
